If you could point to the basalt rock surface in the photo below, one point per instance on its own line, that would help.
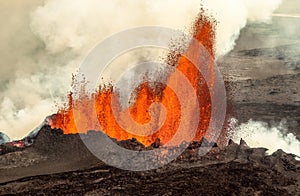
(61, 164)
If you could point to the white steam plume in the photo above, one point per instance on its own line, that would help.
(79, 25)
(68, 29)
(259, 134)
(233, 15)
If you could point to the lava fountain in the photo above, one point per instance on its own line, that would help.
(109, 110)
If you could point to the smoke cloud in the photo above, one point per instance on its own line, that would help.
(51, 41)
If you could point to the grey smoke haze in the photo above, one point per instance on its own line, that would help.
(44, 42)
(31, 78)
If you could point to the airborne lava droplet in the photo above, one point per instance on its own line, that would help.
(145, 95)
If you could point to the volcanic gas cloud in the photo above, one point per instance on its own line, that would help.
(108, 112)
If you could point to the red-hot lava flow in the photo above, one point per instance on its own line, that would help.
(145, 96)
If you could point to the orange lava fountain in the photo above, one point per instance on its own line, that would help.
(145, 95)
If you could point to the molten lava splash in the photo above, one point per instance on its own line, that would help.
(110, 113)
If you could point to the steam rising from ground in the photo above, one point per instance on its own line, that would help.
(260, 134)
(65, 30)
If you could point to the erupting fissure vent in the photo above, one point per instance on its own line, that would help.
(147, 94)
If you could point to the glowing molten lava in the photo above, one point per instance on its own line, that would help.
(109, 111)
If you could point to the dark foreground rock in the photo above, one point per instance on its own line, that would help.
(59, 164)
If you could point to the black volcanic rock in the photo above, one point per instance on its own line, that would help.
(131, 144)
(243, 143)
(203, 143)
(55, 143)
(156, 144)
(236, 170)
(47, 139)
(6, 148)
